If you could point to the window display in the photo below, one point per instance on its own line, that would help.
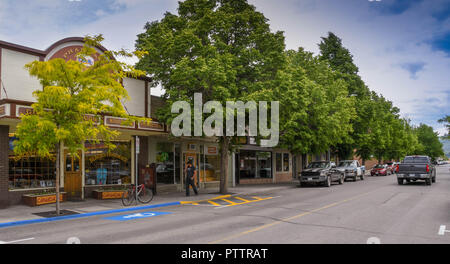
(104, 166)
(30, 172)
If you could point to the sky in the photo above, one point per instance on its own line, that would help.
(402, 47)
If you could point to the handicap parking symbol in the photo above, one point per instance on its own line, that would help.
(135, 216)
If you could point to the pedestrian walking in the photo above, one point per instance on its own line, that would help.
(190, 174)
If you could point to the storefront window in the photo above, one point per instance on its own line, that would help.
(165, 163)
(211, 165)
(278, 162)
(286, 161)
(264, 164)
(30, 172)
(105, 166)
(255, 164)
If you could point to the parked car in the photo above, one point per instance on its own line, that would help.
(391, 167)
(414, 168)
(318, 172)
(380, 169)
(350, 169)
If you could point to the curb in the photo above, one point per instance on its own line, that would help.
(66, 217)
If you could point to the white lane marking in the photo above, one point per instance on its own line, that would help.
(442, 230)
(373, 240)
(73, 240)
(15, 241)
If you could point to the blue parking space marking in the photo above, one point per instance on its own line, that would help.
(135, 216)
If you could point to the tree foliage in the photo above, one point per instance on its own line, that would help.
(223, 49)
(72, 100)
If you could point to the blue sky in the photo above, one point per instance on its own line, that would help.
(402, 47)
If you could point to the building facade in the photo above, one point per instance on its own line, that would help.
(95, 167)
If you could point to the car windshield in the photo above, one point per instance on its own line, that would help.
(345, 163)
(416, 160)
(379, 166)
(317, 165)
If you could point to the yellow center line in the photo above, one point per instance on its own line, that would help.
(286, 219)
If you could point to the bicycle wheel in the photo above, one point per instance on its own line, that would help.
(128, 197)
(145, 195)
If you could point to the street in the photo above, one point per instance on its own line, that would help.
(374, 210)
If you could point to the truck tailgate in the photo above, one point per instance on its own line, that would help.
(412, 168)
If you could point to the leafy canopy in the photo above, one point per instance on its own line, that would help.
(73, 98)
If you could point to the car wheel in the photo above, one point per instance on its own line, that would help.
(400, 181)
(433, 179)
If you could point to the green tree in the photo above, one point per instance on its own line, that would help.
(314, 104)
(223, 49)
(446, 120)
(341, 62)
(429, 143)
(72, 92)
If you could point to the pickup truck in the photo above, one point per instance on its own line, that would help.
(350, 169)
(415, 168)
(318, 172)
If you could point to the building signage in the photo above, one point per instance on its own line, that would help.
(47, 199)
(71, 53)
(211, 150)
(2, 110)
(151, 126)
(24, 110)
(118, 122)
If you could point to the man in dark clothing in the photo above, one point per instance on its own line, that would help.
(190, 174)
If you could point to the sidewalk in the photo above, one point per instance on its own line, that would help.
(23, 212)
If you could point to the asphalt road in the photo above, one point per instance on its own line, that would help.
(376, 208)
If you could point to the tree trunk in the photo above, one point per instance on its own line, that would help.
(58, 169)
(224, 149)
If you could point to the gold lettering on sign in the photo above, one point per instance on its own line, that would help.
(151, 125)
(112, 195)
(25, 110)
(47, 199)
(118, 122)
(2, 110)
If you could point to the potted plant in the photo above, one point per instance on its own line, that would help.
(47, 196)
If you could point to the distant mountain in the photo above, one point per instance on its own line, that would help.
(446, 143)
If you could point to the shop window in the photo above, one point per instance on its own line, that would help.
(255, 164)
(286, 162)
(278, 162)
(165, 163)
(104, 166)
(210, 166)
(264, 164)
(30, 172)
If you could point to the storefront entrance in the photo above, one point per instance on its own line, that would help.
(72, 176)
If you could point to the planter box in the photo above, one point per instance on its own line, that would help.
(35, 200)
(107, 194)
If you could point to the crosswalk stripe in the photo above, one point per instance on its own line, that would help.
(214, 203)
(242, 199)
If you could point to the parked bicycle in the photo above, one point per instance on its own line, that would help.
(144, 194)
